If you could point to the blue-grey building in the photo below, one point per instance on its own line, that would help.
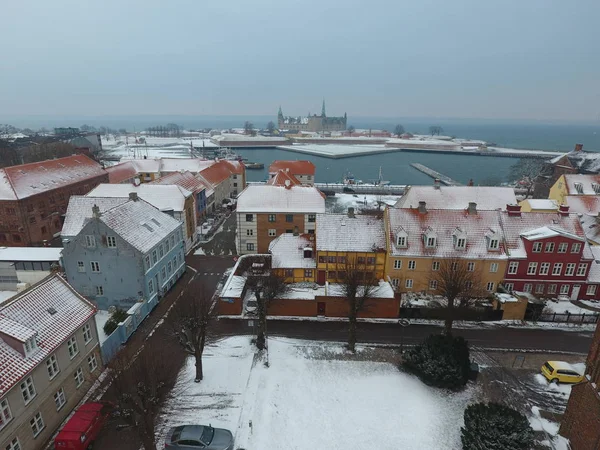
(121, 251)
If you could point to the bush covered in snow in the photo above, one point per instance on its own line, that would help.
(441, 361)
(113, 322)
(496, 426)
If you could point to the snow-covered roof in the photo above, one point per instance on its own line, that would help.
(288, 251)
(594, 273)
(163, 197)
(220, 171)
(280, 199)
(585, 161)
(591, 227)
(282, 178)
(122, 172)
(548, 232)
(234, 287)
(542, 204)
(293, 167)
(578, 184)
(14, 254)
(53, 311)
(361, 233)
(186, 180)
(584, 204)
(506, 298)
(80, 210)
(18, 182)
(458, 197)
(189, 164)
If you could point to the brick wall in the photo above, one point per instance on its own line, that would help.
(581, 421)
(280, 226)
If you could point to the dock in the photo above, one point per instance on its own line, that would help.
(435, 174)
(341, 188)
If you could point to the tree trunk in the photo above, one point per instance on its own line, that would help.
(449, 318)
(352, 332)
(199, 373)
(147, 434)
(261, 333)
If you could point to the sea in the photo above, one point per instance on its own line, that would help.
(395, 167)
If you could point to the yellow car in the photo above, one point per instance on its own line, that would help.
(561, 372)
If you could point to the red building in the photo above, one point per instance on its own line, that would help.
(34, 197)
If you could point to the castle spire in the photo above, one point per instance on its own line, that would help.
(280, 113)
(323, 109)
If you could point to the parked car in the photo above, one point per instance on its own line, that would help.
(83, 427)
(194, 437)
(561, 372)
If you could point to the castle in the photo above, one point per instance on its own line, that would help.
(312, 123)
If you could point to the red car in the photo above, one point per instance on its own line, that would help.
(83, 427)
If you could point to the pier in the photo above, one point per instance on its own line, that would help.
(434, 174)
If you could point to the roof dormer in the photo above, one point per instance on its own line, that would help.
(459, 239)
(18, 336)
(429, 238)
(492, 239)
(401, 238)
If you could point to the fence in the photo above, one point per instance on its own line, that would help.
(472, 314)
(568, 318)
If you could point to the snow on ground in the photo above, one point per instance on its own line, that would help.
(101, 317)
(5, 295)
(563, 307)
(538, 423)
(338, 150)
(592, 303)
(301, 403)
(563, 389)
(341, 202)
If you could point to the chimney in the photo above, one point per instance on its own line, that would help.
(578, 147)
(472, 208)
(96, 212)
(436, 183)
(563, 210)
(351, 213)
(133, 196)
(422, 208)
(288, 184)
(513, 210)
(136, 181)
(296, 231)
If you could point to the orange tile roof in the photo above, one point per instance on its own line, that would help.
(282, 177)
(218, 172)
(121, 172)
(294, 167)
(186, 180)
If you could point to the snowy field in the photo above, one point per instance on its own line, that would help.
(153, 147)
(341, 202)
(563, 307)
(337, 150)
(304, 401)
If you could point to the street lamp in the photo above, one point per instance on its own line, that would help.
(403, 324)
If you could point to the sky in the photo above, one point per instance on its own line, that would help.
(510, 59)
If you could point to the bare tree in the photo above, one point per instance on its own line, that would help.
(358, 285)
(140, 385)
(249, 128)
(271, 127)
(460, 284)
(351, 130)
(532, 175)
(399, 130)
(435, 129)
(192, 322)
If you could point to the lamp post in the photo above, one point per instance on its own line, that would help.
(403, 324)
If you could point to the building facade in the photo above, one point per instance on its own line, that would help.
(49, 360)
(21, 267)
(34, 197)
(312, 123)
(119, 255)
(304, 171)
(188, 181)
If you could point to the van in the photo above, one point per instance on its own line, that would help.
(561, 372)
(83, 427)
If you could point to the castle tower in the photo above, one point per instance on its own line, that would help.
(323, 109)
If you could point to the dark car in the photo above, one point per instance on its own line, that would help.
(194, 437)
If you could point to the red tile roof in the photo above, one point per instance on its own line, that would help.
(18, 182)
(122, 172)
(186, 180)
(218, 172)
(294, 167)
(281, 177)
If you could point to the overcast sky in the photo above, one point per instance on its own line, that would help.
(531, 59)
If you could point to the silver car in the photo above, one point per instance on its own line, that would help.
(194, 437)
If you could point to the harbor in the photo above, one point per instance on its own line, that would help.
(436, 175)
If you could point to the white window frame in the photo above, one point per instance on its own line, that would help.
(539, 288)
(111, 241)
(562, 247)
(493, 267)
(95, 266)
(249, 232)
(513, 267)
(552, 288)
(461, 243)
(557, 269)
(250, 246)
(549, 247)
(28, 391)
(408, 284)
(87, 333)
(397, 264)
(80, 266)
(90, 240)
(154, 257)
(537, 247)
(435, 266)
(494, 244)
(37, 424)
(490, 286)
(591, 289)
(401, 241)
(72, 347)
(430, 242)
(5, 413)
(151, 286)
(528, 287)
(52, 366)
(570, 269)
(544, 268)
(576, 247)
(532, 268)
(581, 269)
(92, 362)
(60, 399)
(509, 286)
(395, 282)
(272, 232)
(79, 377)
(412, 264)
(564, 289)
(433, 284)
(99, 291)
(470, 267)
(14, 444)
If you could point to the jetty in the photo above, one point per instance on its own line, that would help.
(435, 174)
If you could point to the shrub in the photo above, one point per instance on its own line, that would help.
(114, 320)
(440, 361)
(496, 426)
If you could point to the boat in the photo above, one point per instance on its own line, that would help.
(254, 165)
(350, 180)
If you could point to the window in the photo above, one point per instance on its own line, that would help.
(494, 267)
(493, 244)
(78, 375)
(111, 241)
(527, 287)
(544, 268)
(454, 266)
(549, 247)
(169, 268)
(44, 230)
(331, 274)
(163, 273)
(433, 284)
(581, 269)
(11, 211)
(289, 231)
(490, 286)
(576, 247)
(341, 260)
(72, 347)
(509, 286)
(591, 289)
(5, 413)
(537, 247)
(412, 265)
(60, 399)
(250, 246)
(461, 243)
(468, 284)
(435, 266)
(92, 363)
(289, 273)
(95, 266)
(249, 232)
(150, 286)
(87, 333)
(52, 366)
(99, 291)
(401, 241)
(409, 284)
(539, 288)
(395, 282)
(370, 260)
(397, 264)
(311, 231)
(161, 252)
(532, 268)
(14, 445)
(312, 217)
(167, 246)
(249, 218)
(562, 247)
(308, 273)
(551, 289)
(564, 289)
(557, 269)
(360, 259)
(27, 390)
(154, 257)
(289, 218)
(90, 241)
(570, 269)
(80, 266)
(272, 232)
(272, 217)
(37, 424)
(172, 241)
(471, 267)
(430, 242)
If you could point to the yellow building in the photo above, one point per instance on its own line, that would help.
(419, 240)
(539, 205)
(293, 257)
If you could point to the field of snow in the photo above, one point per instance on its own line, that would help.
(152, 147)
(337, 150)
(563, 307)
(300, 402)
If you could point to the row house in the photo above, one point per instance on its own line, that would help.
(192, 183)
(173, 200)
(293, 257)
(303, 171)
(119, 251)
(457, 197)
(34, 197)
(581, 193)
(264, 212)
(49, 359)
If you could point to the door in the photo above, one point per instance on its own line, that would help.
(575, 292)
(320, 308)
(321, 277)
(157, 287)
